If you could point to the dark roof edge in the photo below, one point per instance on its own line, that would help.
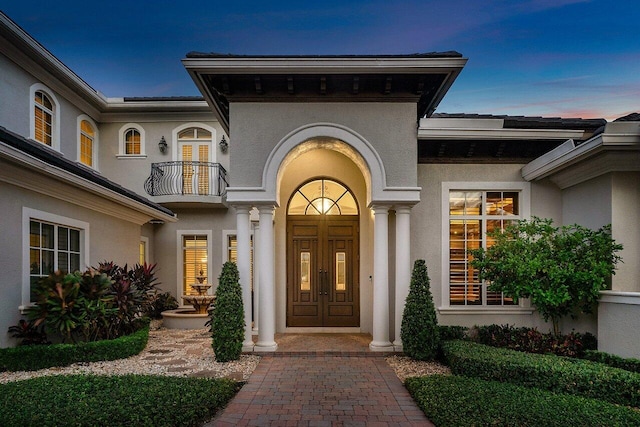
(530, 122)
(53, 158)
(162, 98)
(447, 54)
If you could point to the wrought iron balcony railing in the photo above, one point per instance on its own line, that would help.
(186, 178)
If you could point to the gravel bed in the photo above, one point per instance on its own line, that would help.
(170, 352)
(406, 367)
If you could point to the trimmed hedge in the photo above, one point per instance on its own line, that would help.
(34, 357)
(128, 400)
(460, 401)
(548, 372)
(632, 365)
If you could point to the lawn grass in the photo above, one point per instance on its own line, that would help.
(130, 400)
(460, 401)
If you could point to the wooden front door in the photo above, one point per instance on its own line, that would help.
(322, 271)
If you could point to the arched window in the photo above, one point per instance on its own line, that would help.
(87, 135)
(322, 197)
(132, 142)
(43, 118)
(87, 141)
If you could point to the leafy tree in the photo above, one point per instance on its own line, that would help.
(561, 269)
(227, 323)
(419, 331)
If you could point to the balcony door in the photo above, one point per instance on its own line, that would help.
(322, 256)
(194, 151)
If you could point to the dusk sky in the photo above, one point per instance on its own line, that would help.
(569, 58)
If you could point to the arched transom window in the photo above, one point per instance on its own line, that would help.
(322, 197)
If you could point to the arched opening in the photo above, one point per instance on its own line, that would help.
(323, 256)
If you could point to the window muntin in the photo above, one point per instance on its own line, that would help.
(87, 138)
(52, 247)
(322, 197)
(43, 118)
(471, 215)
(132, 141)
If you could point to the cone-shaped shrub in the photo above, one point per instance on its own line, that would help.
(419, 332)
(228, 315)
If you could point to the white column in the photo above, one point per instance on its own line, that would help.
(243, 236)
(381, 280)
(403, 266)
(256, 278)
(266, 260)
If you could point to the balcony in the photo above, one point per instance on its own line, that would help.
(187, 184)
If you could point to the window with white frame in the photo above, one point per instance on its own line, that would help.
(44, 116)
(52, 243)
(195, 260)
(132, 141)
(471, 214)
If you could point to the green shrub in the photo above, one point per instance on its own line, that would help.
(530, 340)
(129, 400)
(162, 302)
(547, 372)
(632, 365)
(419, 331)
(448, 333)
(227, 323)
(34, 357)
(460, 401)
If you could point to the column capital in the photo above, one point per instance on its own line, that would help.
(241, 208)
(266, 209)
(380, 209)
(403, 209)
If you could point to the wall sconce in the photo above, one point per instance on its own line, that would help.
(162, 145)
(224, 145)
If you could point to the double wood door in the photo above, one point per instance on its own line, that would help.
(322, 271)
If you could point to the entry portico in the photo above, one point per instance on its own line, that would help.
(352, 120)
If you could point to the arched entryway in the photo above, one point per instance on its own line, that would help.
(323, 256)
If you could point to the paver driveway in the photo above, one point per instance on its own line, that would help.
(309, 390)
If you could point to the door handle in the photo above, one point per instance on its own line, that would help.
(326, 282)
(320, 282)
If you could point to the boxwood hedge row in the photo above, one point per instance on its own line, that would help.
(632, 365)
(460, 401)
(34, 357)
(548, 372)
(128, 400)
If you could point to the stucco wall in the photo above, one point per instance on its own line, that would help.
(111, 238)
(257, 127)
(625, 229)
(619, 324)
(132, 172)
(15, 103)
(324, 163)
(166, 244)
(426, 235)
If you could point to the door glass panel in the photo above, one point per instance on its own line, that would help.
(203, 170)
(341, 283)
(305, 271)
(187, 169)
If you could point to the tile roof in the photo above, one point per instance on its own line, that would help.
(531, 122)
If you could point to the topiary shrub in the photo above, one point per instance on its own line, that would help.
(419, 332)
(227, 323)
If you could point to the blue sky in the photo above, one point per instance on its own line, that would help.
(569, 58)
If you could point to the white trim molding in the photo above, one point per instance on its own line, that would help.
(620, 297)
(27, 215)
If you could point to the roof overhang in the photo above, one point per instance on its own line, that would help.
(422, 78)
(617, 149)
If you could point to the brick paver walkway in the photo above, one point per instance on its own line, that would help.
(322, 391)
